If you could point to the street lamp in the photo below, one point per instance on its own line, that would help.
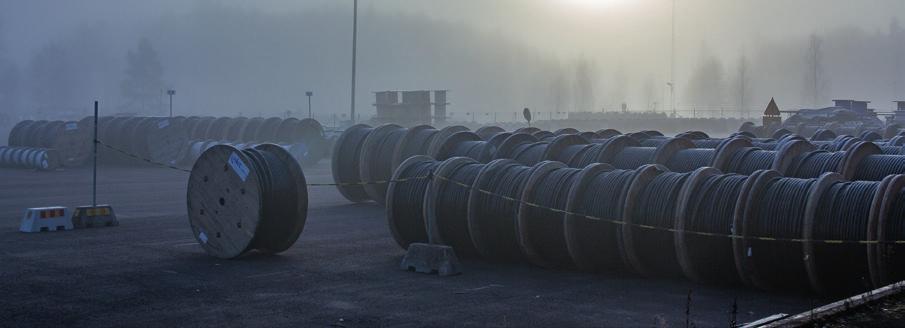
(309, 94)
(171, 92)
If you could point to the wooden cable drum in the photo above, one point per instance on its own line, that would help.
(29, 158)
(375, 166)
(267, 132)
(287, 131)
(487, 132)
(309, 130)
(243, 200)
(234, 130)
(74, 143)
(250, 130)
(217, 129)
(15, 134)
(163, 140)
(199, 131)
(33, 135)
(415, 142)
(346, 160)
(405, 200)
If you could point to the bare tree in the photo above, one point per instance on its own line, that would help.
(706, 85)
(144, 78)
(815, 77)
(649, 93)
(742, 86)
(559, 91)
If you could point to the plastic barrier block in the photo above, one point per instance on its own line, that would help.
(40, 219)
(94, 217)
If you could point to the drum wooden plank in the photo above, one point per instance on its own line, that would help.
(224, 201)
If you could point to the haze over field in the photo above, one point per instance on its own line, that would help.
(258, 58)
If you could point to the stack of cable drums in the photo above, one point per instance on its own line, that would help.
(70, 140)
(243, 200)
(29, 158)
(762, 229)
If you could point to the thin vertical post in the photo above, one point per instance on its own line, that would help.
(94, 180)
(354, 50)
(171, 105)
(309, 106)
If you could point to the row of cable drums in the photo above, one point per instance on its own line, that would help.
(834, 128)
(71, 140)
(29, 158)
(365, 157)
(826, 233)
(193, 150)
(163, 139)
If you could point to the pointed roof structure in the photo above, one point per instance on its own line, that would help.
(772, 109)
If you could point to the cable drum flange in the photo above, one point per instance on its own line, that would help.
(823, 135)
(590, 135)
(544, 135)
(541, 234)
(345, 161)
(812, 164)
(564, 148)
(405, 200)
(441, 136)
(651, 252)
(240, 200)
(870, 136)
(605, 152)
(491, 217)
(886, 224)
(706, 204)
(487, 132)
(608, 133)
(513, 146)
(865, 161)
(464, 144)
(775, 208)
(415, 142)
(599, 191)
(787, 154)
(446, 204)
(374, 165)
(527, 130)
(726, 150)
(566, 131)
(15, 134)
(624, 241)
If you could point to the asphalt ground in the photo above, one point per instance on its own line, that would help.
(343, 272)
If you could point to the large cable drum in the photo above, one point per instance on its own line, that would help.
(375, 166)
(243, 200)
(345, 163)
(163, 139)
(15, 134)
(267, 132)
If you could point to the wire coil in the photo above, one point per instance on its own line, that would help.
(405, 200)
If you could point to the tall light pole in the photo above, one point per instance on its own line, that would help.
(309, 94)
(672, 63)
(354, 49)
(171, 92)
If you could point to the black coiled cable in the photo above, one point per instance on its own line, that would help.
(687, 160)
(478, 150)
(278, 197)
(891, 150)
(747, 160)
(543, 228)
(451, 208)
(491, 218)
(813, 164)
(655, 206)
(707, 143)
(405, 212)
(877, 167)
(894, 230)
(530, 153)
(595, 241)
(842, 214)
(780, 210)
(572, 155)
(710, 209)
(634, 157)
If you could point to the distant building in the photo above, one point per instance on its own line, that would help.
(772, 117)
(414, 109)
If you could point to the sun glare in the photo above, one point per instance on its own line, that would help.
(593, 3)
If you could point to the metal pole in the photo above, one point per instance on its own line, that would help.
(309, 106)
(94, 183)
(171, 105)
(354, 49)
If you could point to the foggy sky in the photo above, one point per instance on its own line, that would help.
(627, 41)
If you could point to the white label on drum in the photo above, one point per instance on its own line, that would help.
(71, 126)
(163, 124)
(238, 166)
(203, 237)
